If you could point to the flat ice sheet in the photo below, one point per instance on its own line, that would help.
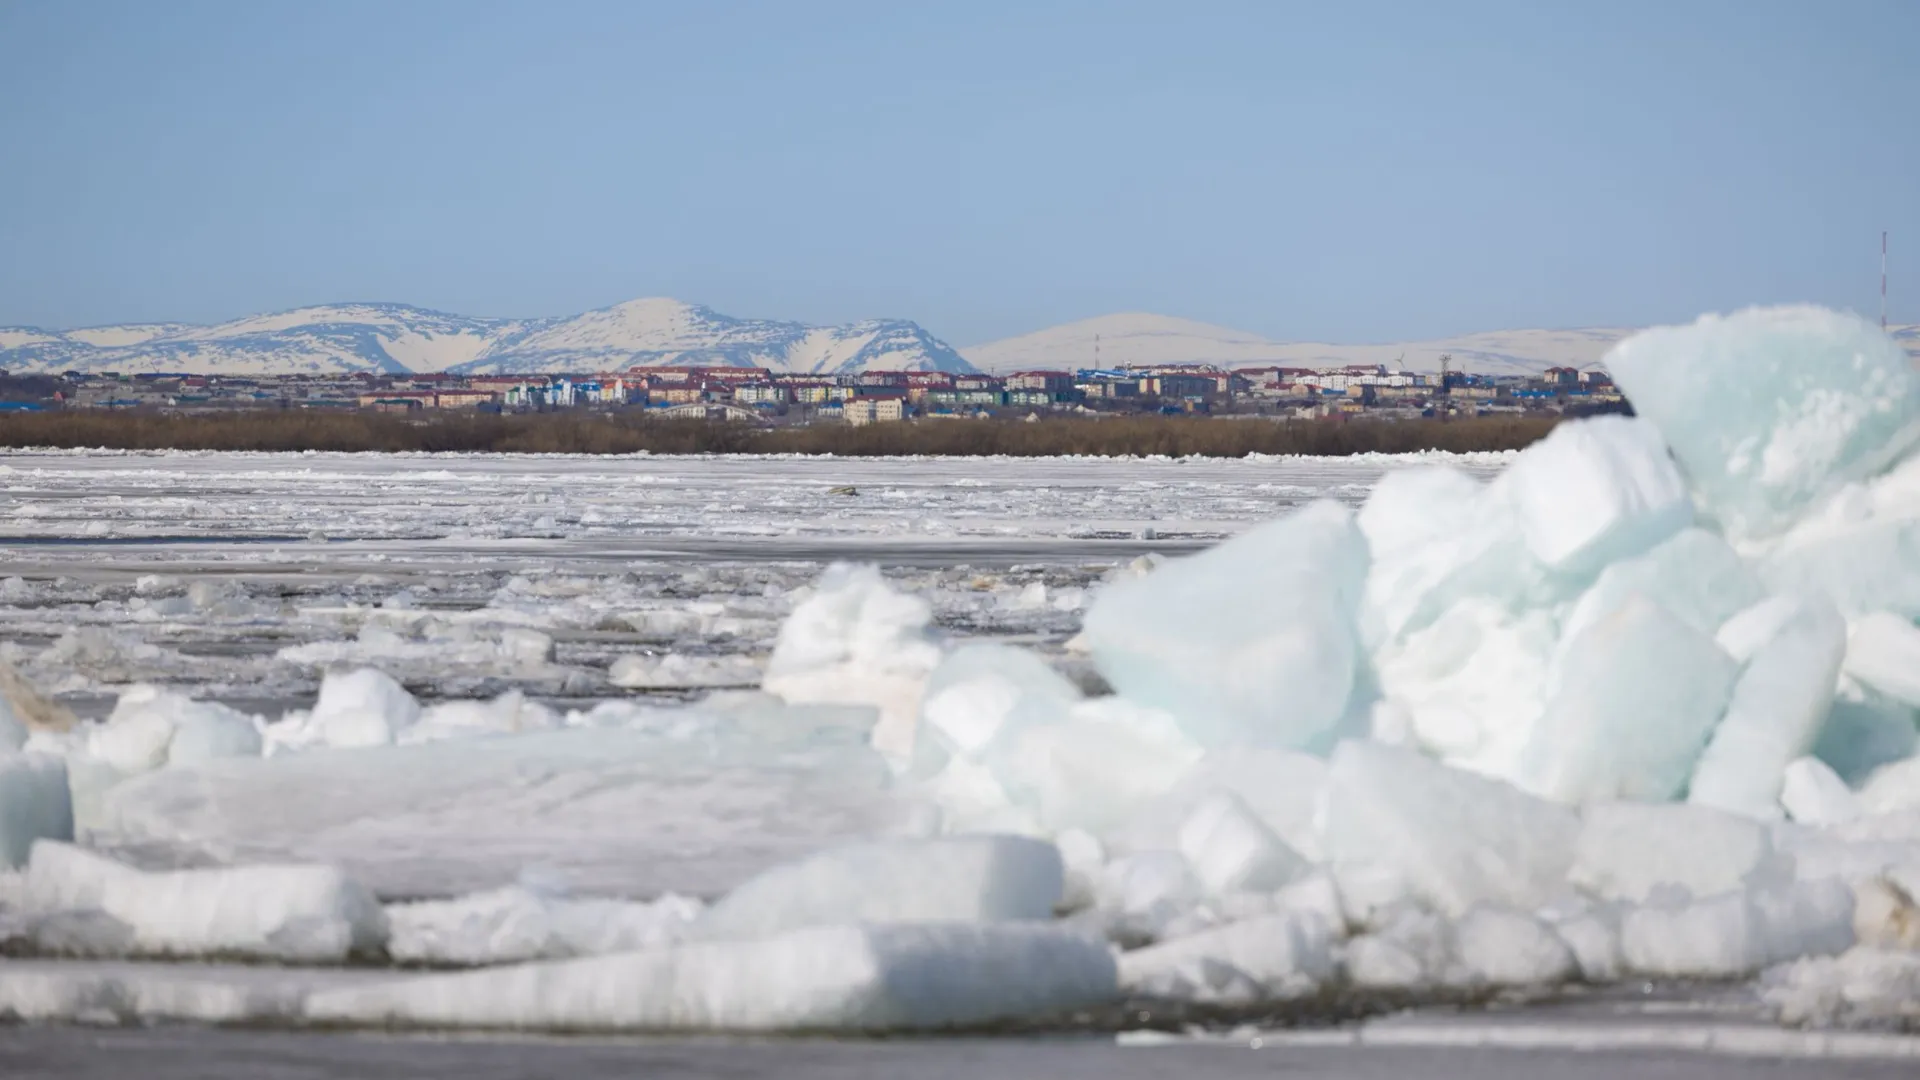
(611, 811)
(690, 558)
(93, 497)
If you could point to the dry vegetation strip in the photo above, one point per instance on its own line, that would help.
(577, 433)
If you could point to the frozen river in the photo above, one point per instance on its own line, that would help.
(101, 513)
(243, 576)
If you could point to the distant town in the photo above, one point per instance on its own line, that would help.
(761, 396)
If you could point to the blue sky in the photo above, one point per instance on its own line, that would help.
(1348, 171)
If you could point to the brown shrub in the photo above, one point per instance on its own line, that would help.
(626, 433)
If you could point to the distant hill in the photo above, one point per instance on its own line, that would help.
(1158, 339)
(394, 338)
(397, 339)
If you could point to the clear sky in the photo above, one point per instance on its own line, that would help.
(1344, 170)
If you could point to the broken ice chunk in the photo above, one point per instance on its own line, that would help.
(1628, 850)
(1632, 709)
(857, 641)
(1437, 536)
(1501, 947)
(216, 732)
(1396, 821)
(1771, 408)
(362, 708)
(1473, 683)
(1231, 850)
(963, 878)
(1088, 771)
(981, 692)
(1252, 641)
(151, 727)
(1777, 709)
(1695, 575)
(1739, 932)
(35, 804)
(1883, 651)
(1594, 938)
(1284, 956)
(1861, 547)
(1596, 490)
(1148, 891)
(1813, 794)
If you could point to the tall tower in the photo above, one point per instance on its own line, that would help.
(1096, 347)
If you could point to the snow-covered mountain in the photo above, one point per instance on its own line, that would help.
(1158, 339)
(668, 332)
(395, 338)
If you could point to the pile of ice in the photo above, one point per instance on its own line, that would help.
(1643, 704)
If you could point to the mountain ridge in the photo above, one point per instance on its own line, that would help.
(390, 338)
(402, 339)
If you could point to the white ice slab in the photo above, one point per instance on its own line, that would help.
(958, 878)
(1398, 824)
(1777, 709)
(1740, 932)
(694, 809)
(1252, 641)
(311, 914)
(1628, 850)
(1631, 709)
(820, 979)
(35, 804)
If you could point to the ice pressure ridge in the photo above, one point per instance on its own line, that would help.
(1642, 706)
